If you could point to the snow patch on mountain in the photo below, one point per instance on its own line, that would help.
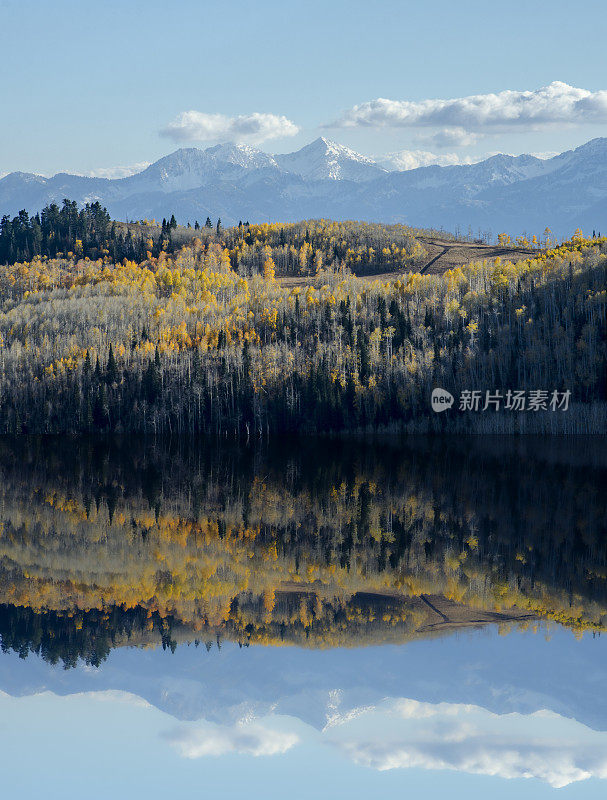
(190, 167)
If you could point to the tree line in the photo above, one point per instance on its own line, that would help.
(89, 232)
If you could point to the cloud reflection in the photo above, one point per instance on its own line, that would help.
(406, 734)
(241, 738)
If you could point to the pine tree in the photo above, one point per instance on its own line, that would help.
(363, 354)
(111, 370)
(152, 379)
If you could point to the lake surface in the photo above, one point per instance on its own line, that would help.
(311, 618)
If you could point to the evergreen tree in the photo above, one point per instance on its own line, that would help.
(111, 370)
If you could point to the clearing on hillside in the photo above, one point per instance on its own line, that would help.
(442, 254)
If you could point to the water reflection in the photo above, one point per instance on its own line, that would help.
(323, 545)
(172, 572)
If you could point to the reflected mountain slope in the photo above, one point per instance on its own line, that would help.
(520, 673)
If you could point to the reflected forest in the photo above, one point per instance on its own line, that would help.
(115, 542)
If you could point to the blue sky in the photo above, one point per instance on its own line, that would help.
(90, 86)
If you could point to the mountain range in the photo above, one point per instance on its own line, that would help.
(324, 179)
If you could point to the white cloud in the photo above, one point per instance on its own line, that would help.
(556, 103)
(411, 159)
(118, 172)
(219, 740)
(196, 126)
(453, 137)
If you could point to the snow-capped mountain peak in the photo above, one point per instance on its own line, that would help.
(324, 159)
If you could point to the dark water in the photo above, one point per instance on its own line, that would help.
(420, 615)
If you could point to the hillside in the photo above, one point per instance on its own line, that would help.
(298, 249)
(207, 340)
(515, 194)
(437, 252)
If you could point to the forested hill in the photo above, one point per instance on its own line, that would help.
(298, 249)
(207, 339)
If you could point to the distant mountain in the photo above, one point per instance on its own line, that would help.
(191, 168)
(325, 179)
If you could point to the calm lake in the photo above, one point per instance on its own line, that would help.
(319, 618)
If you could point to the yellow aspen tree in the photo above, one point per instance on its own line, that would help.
(269, 270)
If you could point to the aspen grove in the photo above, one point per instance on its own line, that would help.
(208, 340)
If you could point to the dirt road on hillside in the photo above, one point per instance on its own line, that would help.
(442, 255)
